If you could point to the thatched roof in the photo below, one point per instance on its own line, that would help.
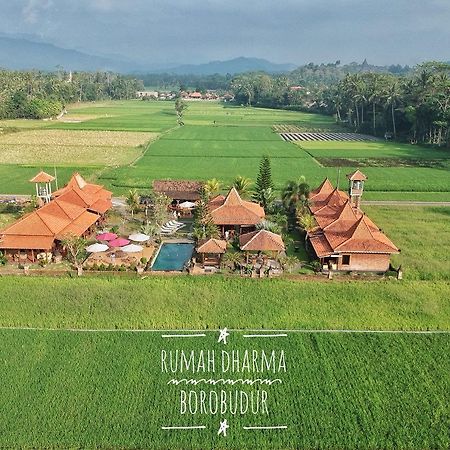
(178, 189)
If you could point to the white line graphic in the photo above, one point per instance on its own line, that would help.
(182, 335)
(276, 427)
(264, 335)
(194, 427)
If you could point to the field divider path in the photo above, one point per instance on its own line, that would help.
(237, 330)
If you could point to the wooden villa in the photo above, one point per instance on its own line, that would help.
(345, 239)
(75, 209)
(231, 213)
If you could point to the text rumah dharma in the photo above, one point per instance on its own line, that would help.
(234, 361)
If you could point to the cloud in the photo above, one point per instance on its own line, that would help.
(31, 12)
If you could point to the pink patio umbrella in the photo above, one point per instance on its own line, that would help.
(106, 236)
(120, 242)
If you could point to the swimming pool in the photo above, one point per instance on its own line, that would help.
(173, 256)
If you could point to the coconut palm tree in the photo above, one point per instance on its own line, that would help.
(242, 185)
(295, 195)
(212, 187)
(132, 201)
(393, 95)
(307, 222)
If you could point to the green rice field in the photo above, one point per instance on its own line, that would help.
(223, 141)
(164, 302)
(107, 390)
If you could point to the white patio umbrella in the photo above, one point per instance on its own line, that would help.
(187, 205)
(138, 237)
(97, 248)
(132, 248)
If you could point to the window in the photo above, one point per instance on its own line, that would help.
(345, 260)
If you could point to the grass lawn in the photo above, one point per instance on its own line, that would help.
(202, 303)
(106, 390)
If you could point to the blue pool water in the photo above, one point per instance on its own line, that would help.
(173, 257)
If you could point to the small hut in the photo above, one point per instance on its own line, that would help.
(211, 251)
(261, 241)
(43, 182)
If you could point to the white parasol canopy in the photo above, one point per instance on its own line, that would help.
(97, 248)
(138, 237)
(187, 205)
(132, 248)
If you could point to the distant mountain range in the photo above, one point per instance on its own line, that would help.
(232, 66)
(23, 52)
(20, 53)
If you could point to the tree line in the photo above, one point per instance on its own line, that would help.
(37, 95)
(413, 106)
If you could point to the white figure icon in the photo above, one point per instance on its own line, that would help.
(223, 428)
(223, 335)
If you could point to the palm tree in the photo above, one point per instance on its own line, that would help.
(212, 187)
(269, 226)
(295, 194)
(307, 222)
(242, 185)
(393, 94)
(232, 260)
(132, 201)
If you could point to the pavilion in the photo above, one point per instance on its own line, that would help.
(211, 251)
(231, 213)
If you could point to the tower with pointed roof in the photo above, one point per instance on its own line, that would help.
(356, 181)
(43, 182)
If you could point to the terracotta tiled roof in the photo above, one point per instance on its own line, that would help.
(334, 199)
(80, 225)
(42, 177)
(69, 213)
(321, 245)
(323, 191)
(362, 240)
(232, 210)
(178, 190)
(212, 246)
(343, 229)
(26, 242)
(88, 192)
(101, 206)
(357, 175)
(261, 240)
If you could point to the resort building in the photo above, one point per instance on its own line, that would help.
(180, 190)
(231, 213)
(345, 239)
(75, 209)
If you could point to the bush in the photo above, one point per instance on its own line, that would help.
(3, 259)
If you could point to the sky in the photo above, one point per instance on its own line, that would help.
(198, 31)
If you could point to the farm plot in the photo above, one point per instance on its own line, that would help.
(63, 147)
(326, 137)
(131, 115)
(339, 391)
